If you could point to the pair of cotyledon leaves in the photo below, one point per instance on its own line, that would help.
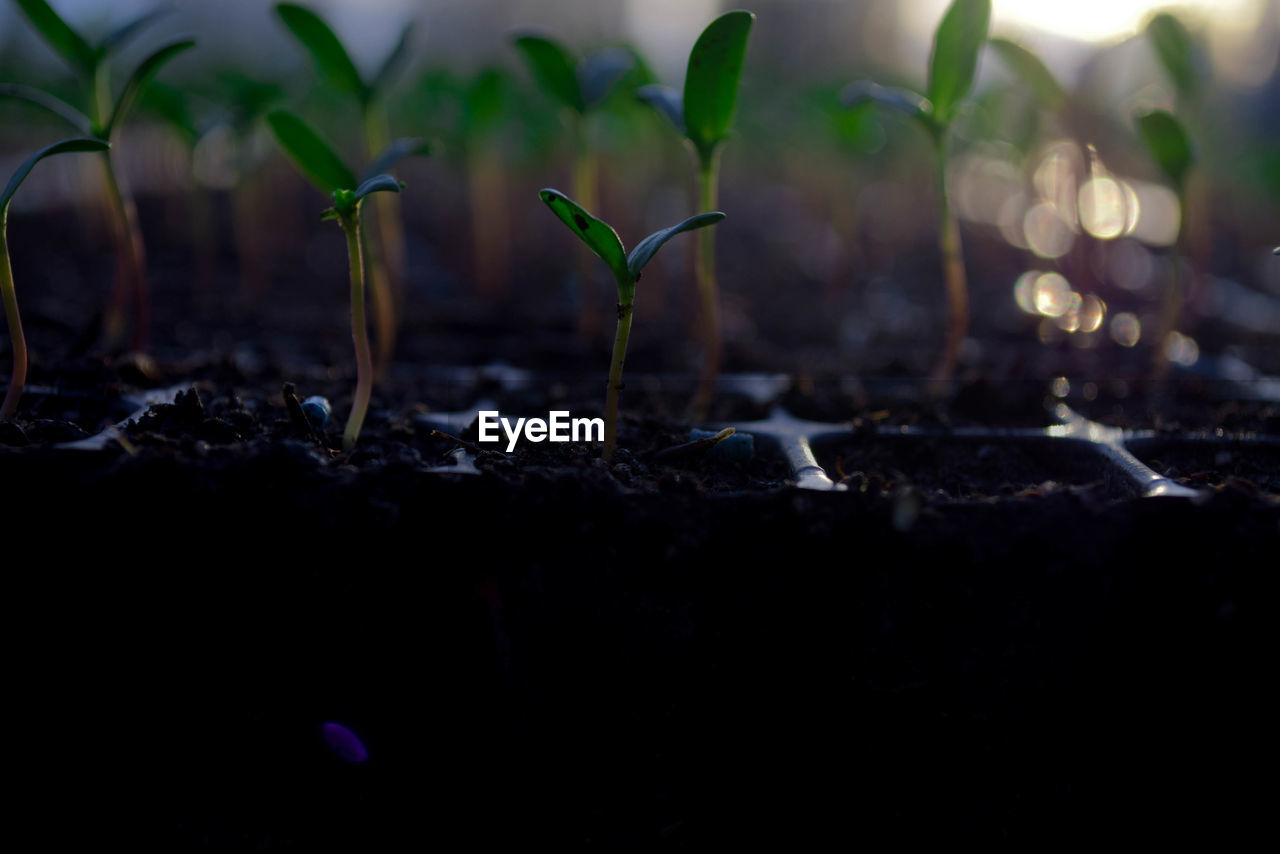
(332, 59)
(952, 65)
(86, 59)
(604, 241)
(580, 85)
(322, 166)
(704, 111)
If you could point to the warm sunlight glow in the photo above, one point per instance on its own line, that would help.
(1085, 20)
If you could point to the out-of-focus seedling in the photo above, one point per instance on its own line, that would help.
(385, 245)
(106, 115)
(952, 67)
(703, 114)
(1167, 143)
(601, 239)
(317, 160)
(18, 378)
(580, 86)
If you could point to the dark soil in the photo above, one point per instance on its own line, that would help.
(978, 645)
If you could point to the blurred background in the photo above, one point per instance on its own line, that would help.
(828, 262)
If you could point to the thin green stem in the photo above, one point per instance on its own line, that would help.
(585, 190)
(19, 341)
(1174, 295)
(359, 332)
(131, 277)
(626, 308)
(384, 245)
(100, 96)
(705, 253)
(952, 253)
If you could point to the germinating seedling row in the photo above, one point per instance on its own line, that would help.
(702, 113)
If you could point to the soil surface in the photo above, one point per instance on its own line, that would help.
(976, 645)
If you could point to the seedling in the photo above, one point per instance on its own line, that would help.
(106, 115)
(580, 86)
(952, 66)
(1169, 147)
(10, 296)
(317, 160)
(703, 115)
(601, 239)
(386, 246)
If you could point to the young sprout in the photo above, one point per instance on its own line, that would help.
(1169, 147)
(580, 86)
(952, 66)
(326, 170)
(703, 114)
(105, 117)
(10, 296)
(385, 246)
(601, 239)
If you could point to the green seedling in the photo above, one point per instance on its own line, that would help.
(10, 295)
(952, 67)
(385, 243)
(601, 239)
(1167, 143)
(317, 160)
(580, 86)
(703, 114)
(105, 117)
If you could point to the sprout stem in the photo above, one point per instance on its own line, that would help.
(19, 377)
(359, 333)
(625, 310)
(585, 190)
(705, 254)
(956, 284)
(131, 283)
(384, 244)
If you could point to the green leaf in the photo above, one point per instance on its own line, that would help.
(1168, 144)
(711, 82)
(667, 101)
(646, 248)
(955, 55)
(392, 65)
(331, 58)
(57, 106)
(1027, 68)
(170, 104)
(378, 184)
(122, 34)
(144, 72)
(399, 148)
(66, 145)
(600, 72)
(597, 234)
(1172, 44)
(64, 40)
(314, 156)
(902, 100)
(552, 68)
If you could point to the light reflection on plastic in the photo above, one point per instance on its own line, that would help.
(1125, 329)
